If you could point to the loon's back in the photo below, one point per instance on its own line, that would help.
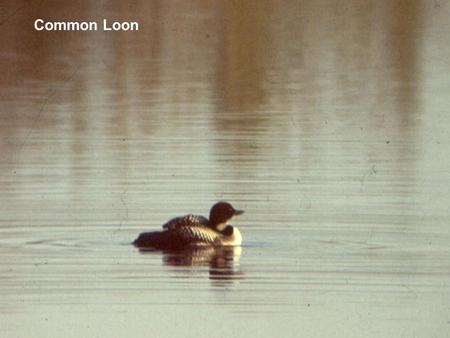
(188, 220)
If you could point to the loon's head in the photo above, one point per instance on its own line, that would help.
(220, 214)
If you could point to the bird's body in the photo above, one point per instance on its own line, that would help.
(195, 231)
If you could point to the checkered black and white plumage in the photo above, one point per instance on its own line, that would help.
(184, 221)
(195, 235)
(177, 236)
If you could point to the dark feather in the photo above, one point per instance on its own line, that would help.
(188, 220)
(178, 237)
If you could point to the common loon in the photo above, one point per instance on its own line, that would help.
(195, 231)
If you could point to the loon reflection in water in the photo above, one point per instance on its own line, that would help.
(195, 231)
(222, 261)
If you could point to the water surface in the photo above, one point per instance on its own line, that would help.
(326, 121)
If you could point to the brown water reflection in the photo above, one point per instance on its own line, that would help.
(327, 121)
(223, 262)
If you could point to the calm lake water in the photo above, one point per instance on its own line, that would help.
(327, 121)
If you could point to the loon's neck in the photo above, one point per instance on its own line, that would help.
(217, 226)
(221, 226)
(231, 236)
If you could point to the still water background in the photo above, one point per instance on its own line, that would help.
(327, 121)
